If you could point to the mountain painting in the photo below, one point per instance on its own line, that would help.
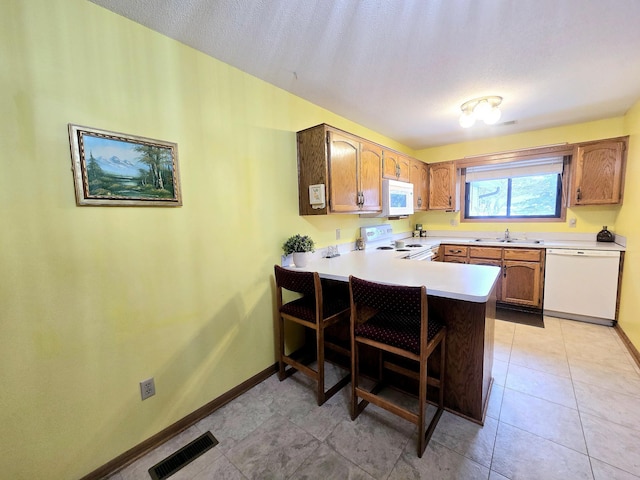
(129, 170)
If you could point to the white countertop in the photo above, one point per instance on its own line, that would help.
(573, 244)
(472, 283)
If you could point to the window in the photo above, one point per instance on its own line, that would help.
(524, 189)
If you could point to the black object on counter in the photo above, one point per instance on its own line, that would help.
(604, 235)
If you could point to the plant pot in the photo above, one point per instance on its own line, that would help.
(301, 259)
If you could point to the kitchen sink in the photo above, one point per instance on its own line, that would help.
(515, 240)
(488, 240)
(503, 240)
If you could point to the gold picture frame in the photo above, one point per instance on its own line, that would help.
(117, 169)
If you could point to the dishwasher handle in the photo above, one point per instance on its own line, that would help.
(582, 253)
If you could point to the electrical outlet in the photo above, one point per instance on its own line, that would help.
(572, 222)
(147, 388)
(337, 234)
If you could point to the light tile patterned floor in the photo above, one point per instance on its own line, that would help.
(564, 405)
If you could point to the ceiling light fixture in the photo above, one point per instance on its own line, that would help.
(481, 108)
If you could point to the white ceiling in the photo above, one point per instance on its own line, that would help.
(404, 67)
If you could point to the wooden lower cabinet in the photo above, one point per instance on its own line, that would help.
(521, 283)
(521, 279)
(522, 276)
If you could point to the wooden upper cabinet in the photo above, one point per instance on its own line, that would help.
(390, 165)
(344, 161)
(442, 186)
(404, 168)
(349, 167)
(598, 172)
(419, 177)
(370, 177)
(396, 166)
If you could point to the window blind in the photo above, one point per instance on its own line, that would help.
(522, 168)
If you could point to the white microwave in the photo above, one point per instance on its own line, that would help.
(397, 199)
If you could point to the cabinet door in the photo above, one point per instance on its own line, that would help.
(390, 163)
(442, 186)
(493, 263)
(404, 168)
(344, 155)
(521, 283)
(598, 173)
(371, 177)
(419, 177)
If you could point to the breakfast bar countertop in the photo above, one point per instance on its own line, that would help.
(472, 283)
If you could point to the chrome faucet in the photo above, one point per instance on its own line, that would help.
(507, 235)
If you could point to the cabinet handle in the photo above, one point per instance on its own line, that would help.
(449, 200)
(419, 202)
(578, 195)
(504, 271)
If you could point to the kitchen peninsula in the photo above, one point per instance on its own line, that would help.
(462, 295)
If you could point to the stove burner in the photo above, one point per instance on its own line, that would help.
(402, 250)
(414, 245)
(384, 248)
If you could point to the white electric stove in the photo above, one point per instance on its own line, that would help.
(380, 237)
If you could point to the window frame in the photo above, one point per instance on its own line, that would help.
(555, 216)
(564, 150)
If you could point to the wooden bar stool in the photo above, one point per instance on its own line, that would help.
(316, 312)
(394, 320)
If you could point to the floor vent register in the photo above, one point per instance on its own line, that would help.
(183, 457)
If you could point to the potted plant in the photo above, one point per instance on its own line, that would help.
(300, 246)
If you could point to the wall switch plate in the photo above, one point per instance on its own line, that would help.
(572, 222)
(453, 222)
(337, 234)
(147, 388)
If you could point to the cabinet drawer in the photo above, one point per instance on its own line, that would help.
(456, 250)
(482, 261)
(529, 255)
(454, 259)
(494, 253)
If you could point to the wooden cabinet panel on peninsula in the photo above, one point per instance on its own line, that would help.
(419, 177)
(443, 186)
(598, 172)
(348, 166)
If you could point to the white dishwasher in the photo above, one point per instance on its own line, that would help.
(581, 284)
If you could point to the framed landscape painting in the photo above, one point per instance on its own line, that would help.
(116, 169)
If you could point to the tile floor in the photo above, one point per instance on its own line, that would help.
(565, 404)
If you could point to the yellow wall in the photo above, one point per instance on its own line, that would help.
(95, 299)
(629, 226)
